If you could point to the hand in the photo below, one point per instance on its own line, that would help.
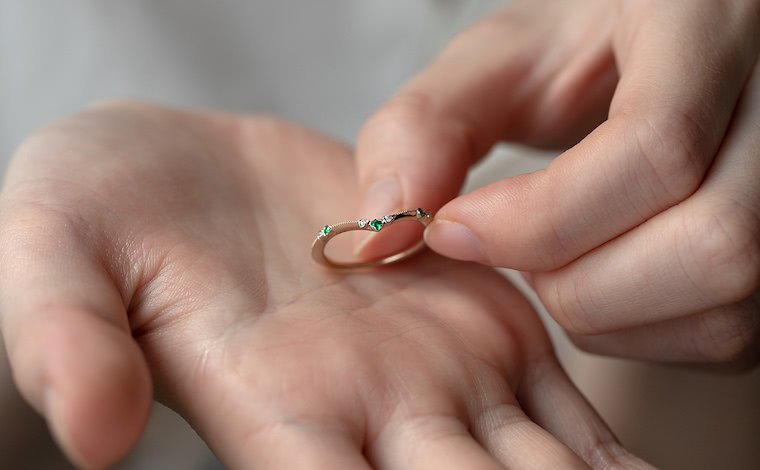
(643, 240)
(143, 242)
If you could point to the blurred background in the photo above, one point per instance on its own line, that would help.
(327, 64)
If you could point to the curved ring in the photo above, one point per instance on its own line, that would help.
(330, 231)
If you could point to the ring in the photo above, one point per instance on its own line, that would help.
(375, 225)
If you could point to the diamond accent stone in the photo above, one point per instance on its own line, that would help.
(388, 219)
(363, 223)
(376, 224)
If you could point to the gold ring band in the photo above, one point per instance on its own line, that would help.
(375, 225)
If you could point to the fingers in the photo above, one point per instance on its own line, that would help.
(551, 400)
(725, 338)
(506, 78)
(489, 430)
(501, 426)
(429, 442)
(697, 256)
(289, 445)
(228, 400)
(67, 336)
(682, 69)
(518, 442)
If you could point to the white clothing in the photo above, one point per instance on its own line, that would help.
(326, 63)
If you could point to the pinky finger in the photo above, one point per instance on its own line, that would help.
(300, 450)
(724, 337)
(518, 442)
(552, 401)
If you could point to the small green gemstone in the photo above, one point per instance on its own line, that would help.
(327, 229)
(420, 212)
(376, 224)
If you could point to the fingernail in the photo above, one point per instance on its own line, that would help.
(453, 240)
(382, 198)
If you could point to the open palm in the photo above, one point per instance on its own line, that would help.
(145, 245)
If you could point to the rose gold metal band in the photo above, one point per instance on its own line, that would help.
(375, 225)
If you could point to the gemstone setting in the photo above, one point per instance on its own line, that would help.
(377, 224)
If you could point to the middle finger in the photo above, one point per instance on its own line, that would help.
(699, 255)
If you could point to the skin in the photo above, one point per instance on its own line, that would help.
(149, 250)
(657, 103)
(24, 440)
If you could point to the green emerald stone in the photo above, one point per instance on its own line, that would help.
(376, 224)
(327, 229)
(420, 212)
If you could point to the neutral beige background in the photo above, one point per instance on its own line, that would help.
(327, 64)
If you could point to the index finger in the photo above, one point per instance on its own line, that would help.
(682, 68)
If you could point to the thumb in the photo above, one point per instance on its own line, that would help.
(66, 332)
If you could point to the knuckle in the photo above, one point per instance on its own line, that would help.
(391, 125)
(413, 116)
(409, 107)
(671, 146)
(603, 451)
(566, 303)
(27, 226)
(728, 335)
(725, 244)
(497, 418)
